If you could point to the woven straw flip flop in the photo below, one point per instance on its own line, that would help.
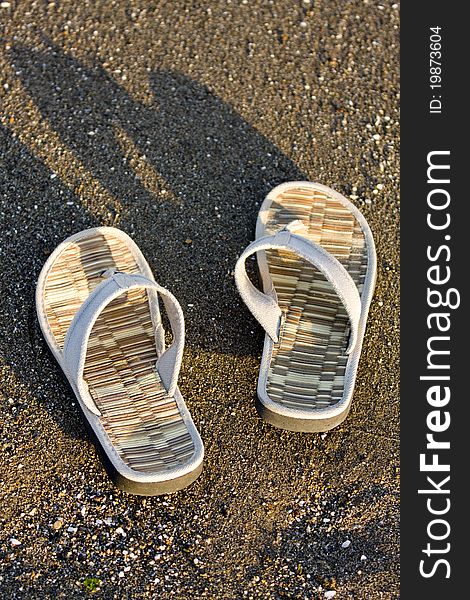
(97, 304)
(317, 263)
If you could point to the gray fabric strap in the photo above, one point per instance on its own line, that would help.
(265, 307)
(115, 284)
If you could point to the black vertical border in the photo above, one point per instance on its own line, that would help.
(422, 132)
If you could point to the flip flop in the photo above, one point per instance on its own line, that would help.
(317, 263)
(97, 304)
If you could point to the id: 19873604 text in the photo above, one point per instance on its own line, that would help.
(435, 70)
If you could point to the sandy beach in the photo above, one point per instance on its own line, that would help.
(172, 121)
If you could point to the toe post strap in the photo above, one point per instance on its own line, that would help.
(264, 305)
(115, 284)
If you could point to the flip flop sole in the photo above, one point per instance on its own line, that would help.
(139, 488)
(297, 423)
(307, 379)
(147, 439)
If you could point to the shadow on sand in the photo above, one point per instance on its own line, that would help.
(215, 168)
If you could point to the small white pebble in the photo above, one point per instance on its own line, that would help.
(329, 594)
(121, 531)
(376, 136)
(15, 542)
(346, 544)
(5, 5)
(53, 175)
(363, 557)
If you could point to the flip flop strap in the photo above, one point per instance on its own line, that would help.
(265, 307)
(76, 341)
